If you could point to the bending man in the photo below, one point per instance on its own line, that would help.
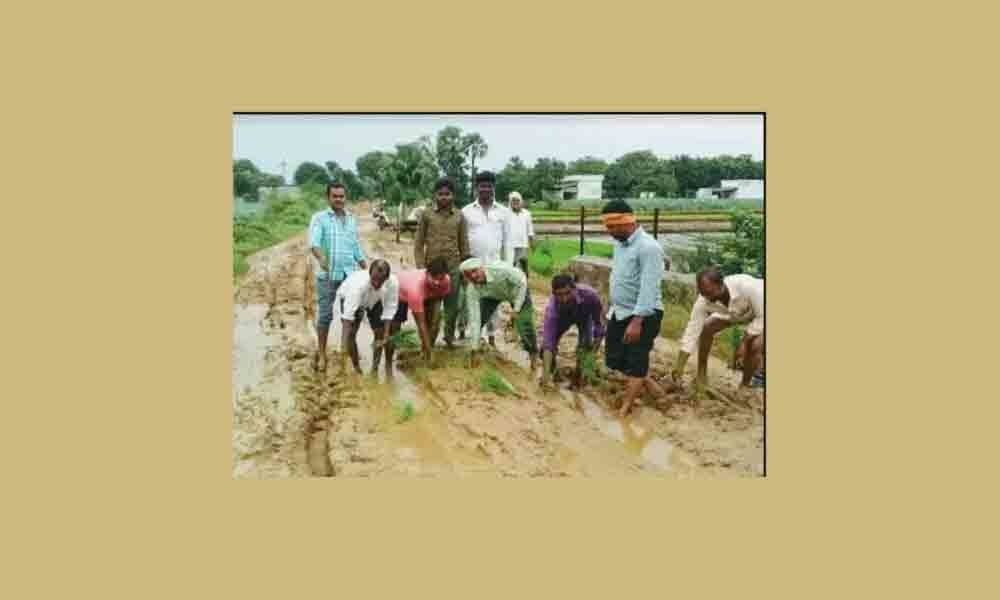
(724, 302)
(487, 286)
(571, 304)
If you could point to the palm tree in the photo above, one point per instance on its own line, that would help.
(476, 147)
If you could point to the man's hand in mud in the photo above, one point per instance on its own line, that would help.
(634, 331)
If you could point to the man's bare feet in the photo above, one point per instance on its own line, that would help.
(319, 362)
(493, 341)
(750, 398)
(626, 408)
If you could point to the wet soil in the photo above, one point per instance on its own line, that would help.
(291, 421)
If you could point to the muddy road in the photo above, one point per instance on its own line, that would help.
(289, 421)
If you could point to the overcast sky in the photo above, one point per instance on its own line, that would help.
(269, 139)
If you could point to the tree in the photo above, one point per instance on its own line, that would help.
(248, 179)
(412, 173)
(450, 152)
(516, 176)
(375, 166)
(310, 172)
(545, 175)
(694, 173)
(245, 178)
(588, 165)
(355, 188)
(640, 171)
(475, 147)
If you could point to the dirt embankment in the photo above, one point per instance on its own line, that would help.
(291, 422)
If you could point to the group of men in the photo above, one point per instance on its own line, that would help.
(464, 265)
(465, 269)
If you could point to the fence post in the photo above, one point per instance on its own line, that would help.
(656, 223)
(583, 211)
(399, 220)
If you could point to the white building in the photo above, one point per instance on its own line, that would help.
(734, 188)
(582, 187)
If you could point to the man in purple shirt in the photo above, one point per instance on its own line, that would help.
(570, 305)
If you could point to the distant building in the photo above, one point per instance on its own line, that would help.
(734, 188)
(581, 187)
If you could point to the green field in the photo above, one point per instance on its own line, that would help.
(643, 217)
(552, 256)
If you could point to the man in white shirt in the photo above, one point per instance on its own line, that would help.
(723, 302)
(374, 293)
(522, 232)
(488, 224)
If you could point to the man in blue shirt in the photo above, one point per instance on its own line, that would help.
(636, 306)
(336, 248)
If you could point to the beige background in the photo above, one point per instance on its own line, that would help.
(117, 142)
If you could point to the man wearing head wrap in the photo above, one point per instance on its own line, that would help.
(489, 285)
(724, 302)
(522, 232)
(636, 305)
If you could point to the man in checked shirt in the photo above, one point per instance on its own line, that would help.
(336, 248)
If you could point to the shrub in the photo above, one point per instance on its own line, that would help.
(741, 252)
(283, 215)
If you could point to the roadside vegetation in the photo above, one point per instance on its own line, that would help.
(284, 216)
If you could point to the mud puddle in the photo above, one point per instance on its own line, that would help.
(251, 344)
(641, 442)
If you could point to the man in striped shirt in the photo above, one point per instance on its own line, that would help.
(336, 250)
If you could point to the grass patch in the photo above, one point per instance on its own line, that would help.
(589, 371)
(494, 382)
(405, 412)
(551, 256)
(406, 339)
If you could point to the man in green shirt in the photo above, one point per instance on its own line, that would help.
(487, 286)
(442, 233)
